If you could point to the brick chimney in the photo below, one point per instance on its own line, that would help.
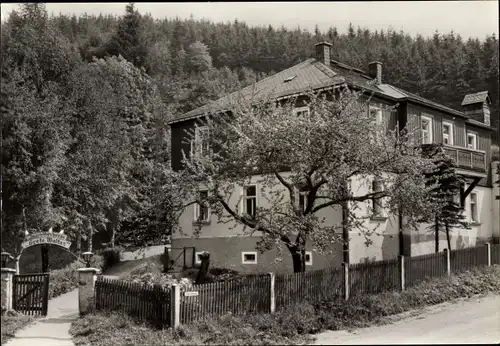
(375, 71)
(323, 52)
(477, 107)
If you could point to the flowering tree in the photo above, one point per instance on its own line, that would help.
(305, 163)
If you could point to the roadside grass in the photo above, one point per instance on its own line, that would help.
(12, 322)
(293, 325)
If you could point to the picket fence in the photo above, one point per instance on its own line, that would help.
(266, 293)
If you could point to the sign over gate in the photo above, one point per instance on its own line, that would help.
(46, 238)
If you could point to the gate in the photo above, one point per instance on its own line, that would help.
(31, 294)
(181, 258)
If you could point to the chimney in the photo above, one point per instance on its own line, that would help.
(375, 71)
(323, 53)
(477, 107)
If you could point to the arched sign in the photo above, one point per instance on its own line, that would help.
(46, 238)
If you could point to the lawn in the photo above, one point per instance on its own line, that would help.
(294, 325)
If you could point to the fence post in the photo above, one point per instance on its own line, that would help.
(402, 271)
(86, 289)
(272, 296)
(345, 267)
(175, 306)
(448, 262)
(488, 253)
(7, 288)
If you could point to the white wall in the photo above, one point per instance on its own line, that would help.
(495, 203)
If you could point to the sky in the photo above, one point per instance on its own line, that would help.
(467, 18)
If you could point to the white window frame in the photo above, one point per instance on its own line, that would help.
(197, 211)
(244, 261)
(197, 259)
(450, 133)
(298, 110)
(474, 201)
(430, 134)
(378, 203)
(379, 117)
(244, 198)
(473, 135)
(197, 145)
(310, 262)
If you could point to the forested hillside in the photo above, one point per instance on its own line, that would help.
(56, 97)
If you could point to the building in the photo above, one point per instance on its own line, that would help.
(465, 134)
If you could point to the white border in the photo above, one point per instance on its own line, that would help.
(477, 207)
(243, 253)
(472, 134)
(196, 211)
(196, 259)
(243, 199)
(450, 136)
(310, 262)
(431, 135)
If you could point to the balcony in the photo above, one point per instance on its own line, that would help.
(467, 159)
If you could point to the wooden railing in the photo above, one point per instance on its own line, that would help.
(467, 158)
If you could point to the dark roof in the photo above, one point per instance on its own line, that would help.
(479, 97)
(312, 74)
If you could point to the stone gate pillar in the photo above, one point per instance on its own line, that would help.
(7, 288)
(86, 289)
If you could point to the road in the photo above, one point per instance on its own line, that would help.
(473, 321)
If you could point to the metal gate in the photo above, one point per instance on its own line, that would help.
(31, 294)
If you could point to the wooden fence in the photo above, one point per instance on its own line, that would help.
(31, 294)
(420, 268)
(291, 288)
(247, 294)
(268, 292)
(495, 253)
(138, 300)
(468, 258)
(374, 277)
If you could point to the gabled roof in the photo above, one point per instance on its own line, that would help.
(479, 97)
(309, 74)
(312, 74)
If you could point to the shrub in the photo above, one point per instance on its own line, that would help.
(110, 256)
(66, 279)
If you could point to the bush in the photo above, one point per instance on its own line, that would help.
(66, 279)
(12, 322)
(110, 256)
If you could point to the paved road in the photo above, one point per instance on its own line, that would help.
(461, 322)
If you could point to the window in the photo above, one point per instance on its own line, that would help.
(250, 200)
(376, 113)
(198, 257)
(378, 210)
(202, 212)
(301, 111)
(201, 145)
(426, 130)
(249, 257)
(473, 208)
(471, 141)
(309, 258)
(447, 133)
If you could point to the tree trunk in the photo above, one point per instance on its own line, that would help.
(299, 261)
(345, 232)
(90, 236)
(79, 244)
(113, 235)
(436, 235)
(45, 258)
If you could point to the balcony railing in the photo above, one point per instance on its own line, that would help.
(466, 158)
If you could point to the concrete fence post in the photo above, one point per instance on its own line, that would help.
(86, 289)
(7, 288)
(402, 272)
(488, 254)
(345, 267)
(448, 262)
(272, 297)
(175, 306)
